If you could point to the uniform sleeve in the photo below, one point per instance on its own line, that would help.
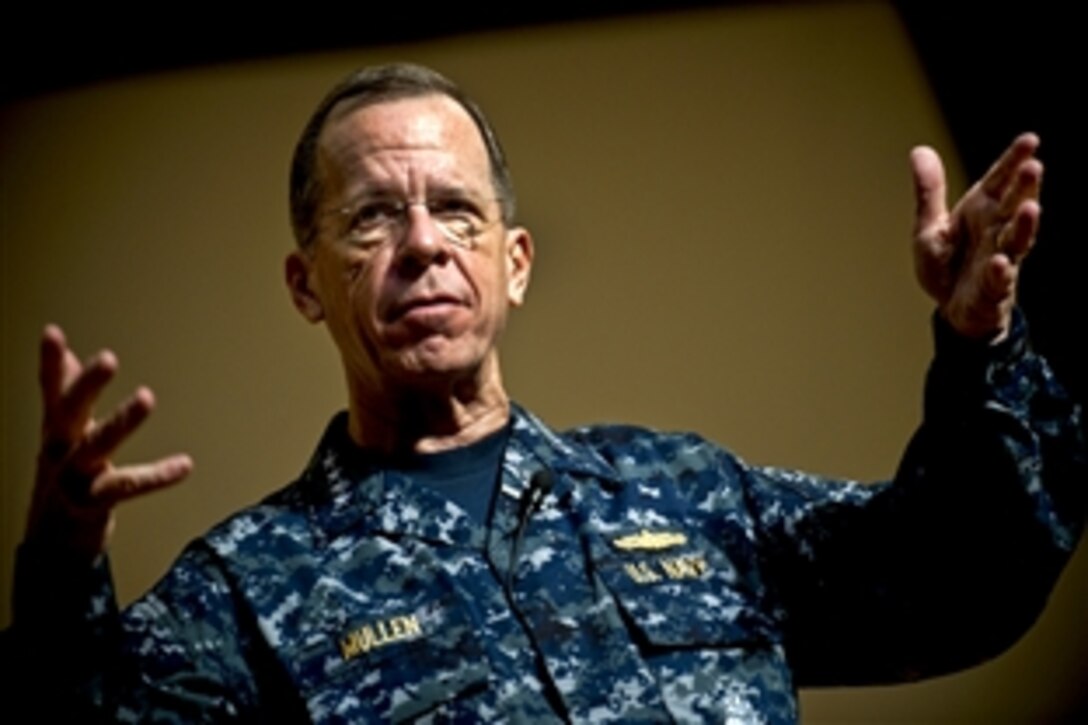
(182, 653)
(949, 563)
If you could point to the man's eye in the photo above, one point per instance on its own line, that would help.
(373, 214)
(454, 209)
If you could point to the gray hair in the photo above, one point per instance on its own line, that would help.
(368, 86)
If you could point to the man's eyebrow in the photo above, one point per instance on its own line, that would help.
(366, 189)
(456, 191)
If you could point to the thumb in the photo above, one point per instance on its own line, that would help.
(929, 188)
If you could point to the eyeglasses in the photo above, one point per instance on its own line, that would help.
(374, 222)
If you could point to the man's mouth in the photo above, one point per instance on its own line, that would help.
(424, 305)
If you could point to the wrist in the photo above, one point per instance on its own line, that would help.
(990, 328)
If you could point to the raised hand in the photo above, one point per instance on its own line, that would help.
(968, 259)
(77, 486)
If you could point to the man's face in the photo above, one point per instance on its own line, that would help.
(418, 309)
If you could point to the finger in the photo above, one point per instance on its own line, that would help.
(929, 189)
(121, 484)
(987, 315)
(1000, 281)
(1025, 185)
(1002, 172)
(1017, 237)
(70, 417)
(51, 365)
(58, 368)
(105, 437)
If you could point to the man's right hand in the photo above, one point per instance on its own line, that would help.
(76, 485)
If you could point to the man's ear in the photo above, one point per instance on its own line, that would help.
(519, 264)
(296, 269)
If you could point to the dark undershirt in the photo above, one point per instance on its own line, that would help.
(468, 476)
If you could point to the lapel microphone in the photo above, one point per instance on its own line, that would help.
(540, 485)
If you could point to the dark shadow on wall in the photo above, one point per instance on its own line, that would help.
(996, 74)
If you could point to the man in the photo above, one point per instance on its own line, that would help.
(445, 555)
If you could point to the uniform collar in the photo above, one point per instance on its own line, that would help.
(347, 493)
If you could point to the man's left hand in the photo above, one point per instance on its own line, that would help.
(968, 259)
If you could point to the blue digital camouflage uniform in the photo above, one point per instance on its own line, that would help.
(653, 578)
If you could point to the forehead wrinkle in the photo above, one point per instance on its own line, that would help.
(408, 145)
(382, 174)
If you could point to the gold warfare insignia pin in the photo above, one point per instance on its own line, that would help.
(650, 541)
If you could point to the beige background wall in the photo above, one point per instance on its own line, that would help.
(721, 204)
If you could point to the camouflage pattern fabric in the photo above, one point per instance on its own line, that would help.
(650, 577)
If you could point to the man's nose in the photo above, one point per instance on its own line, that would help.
(422, 240)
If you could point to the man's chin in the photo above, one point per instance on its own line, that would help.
(433, 368)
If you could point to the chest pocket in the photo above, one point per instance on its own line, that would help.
(688, 594)
(415, 655)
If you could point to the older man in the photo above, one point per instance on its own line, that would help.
(445, 555)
